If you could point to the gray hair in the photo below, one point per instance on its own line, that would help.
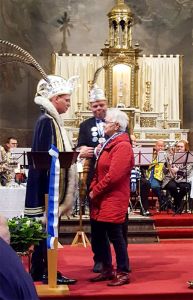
(119, 117)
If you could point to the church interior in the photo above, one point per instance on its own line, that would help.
(81, 36)
(140, 54)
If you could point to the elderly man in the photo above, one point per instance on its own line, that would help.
(54, 99)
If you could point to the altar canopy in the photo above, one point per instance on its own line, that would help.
(163, 73)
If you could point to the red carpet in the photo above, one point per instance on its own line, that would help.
(173, 233)
(159, 271)
(170, 226)
(168, 219)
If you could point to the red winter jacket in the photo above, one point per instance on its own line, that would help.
(111, 183)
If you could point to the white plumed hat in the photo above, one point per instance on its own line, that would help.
(96, 94)
(56, 85)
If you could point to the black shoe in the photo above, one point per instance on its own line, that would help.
(98, 267)
(36, 277)
(60, 279)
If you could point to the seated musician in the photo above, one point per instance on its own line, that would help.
(144, 184)
(10, 144)
(151, 178)
(176, 177)
(155, 172)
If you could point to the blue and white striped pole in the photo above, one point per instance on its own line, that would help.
(53, 198)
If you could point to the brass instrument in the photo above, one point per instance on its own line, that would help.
(170, 150)
(168, 165)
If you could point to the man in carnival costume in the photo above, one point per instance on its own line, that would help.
(91, 130)
(54, 99)
(53, 95)
(91, 134)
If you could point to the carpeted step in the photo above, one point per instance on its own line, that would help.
(175, 232)
(176, 241)
(164, 219)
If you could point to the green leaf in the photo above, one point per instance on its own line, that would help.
(25, 232)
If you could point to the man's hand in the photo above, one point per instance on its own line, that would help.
(43, 219)
(174, 170)
(86, 152)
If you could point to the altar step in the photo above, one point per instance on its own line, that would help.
(171, 226)
(175, 232)
(140, 230)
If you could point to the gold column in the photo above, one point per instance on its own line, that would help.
(136, 101)
(130, 37)
(125, 36)
(118, 36)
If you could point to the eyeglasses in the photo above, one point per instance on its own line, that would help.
(109, 122)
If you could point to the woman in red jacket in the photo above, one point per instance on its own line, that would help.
(110, 192)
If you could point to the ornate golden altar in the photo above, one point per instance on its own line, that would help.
(154, 106)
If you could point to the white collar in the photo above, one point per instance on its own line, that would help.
(49, 107)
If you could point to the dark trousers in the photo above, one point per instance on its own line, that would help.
(96, 247)
(177, 190)
(114, 232)
(125, 229)
(144, 192)
(145, 186)
(39, 260)
(156, 188)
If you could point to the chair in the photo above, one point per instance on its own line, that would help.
(167, 201)
(186, 202)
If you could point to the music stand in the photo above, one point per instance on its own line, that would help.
(161, 157)
(190, 161)
(142, 157)
(190, 158)
(21, 155)
(183, 158)
(42, 160)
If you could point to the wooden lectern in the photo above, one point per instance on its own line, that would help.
(42, 160)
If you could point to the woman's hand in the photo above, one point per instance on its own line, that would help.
(91, 195)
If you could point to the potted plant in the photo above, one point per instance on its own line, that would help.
(25, 232)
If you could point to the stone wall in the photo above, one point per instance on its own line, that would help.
(45, 26)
